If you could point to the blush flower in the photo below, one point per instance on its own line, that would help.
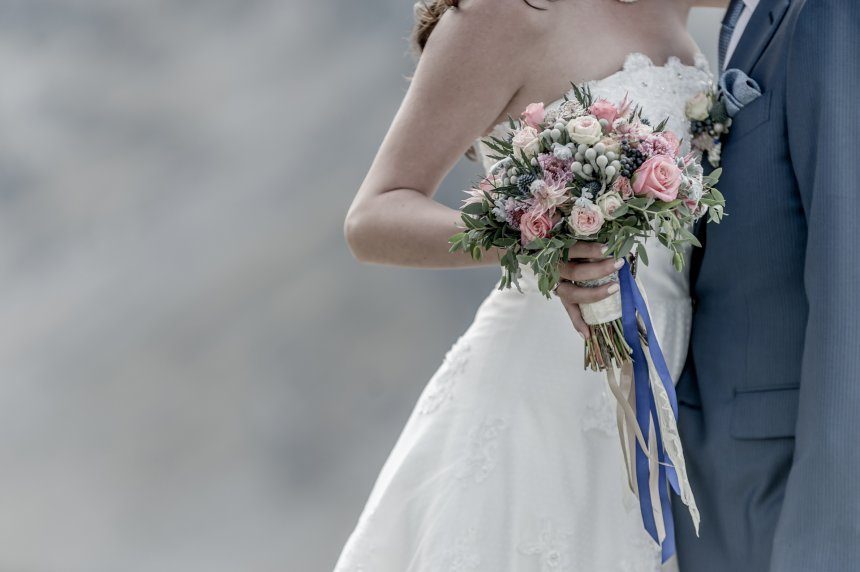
(632, 129)
(556, 171)
(603, 109)
(533, 225)
(585, 220)
(534, 115)
(526, 141)
(658, 178)
(479, 192)
(664, 143)
(621, 185)
(546, 197)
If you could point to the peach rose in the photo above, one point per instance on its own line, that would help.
(603, 109)
(533, 225)
(658, 178)
(534, 115)
(585, 220)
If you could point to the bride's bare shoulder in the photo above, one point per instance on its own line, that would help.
(498, 34)
(509, 21)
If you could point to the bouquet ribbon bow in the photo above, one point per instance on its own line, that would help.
(647, 415)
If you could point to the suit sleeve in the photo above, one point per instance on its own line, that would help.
(819, 525)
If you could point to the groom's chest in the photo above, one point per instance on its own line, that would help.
(758, 180)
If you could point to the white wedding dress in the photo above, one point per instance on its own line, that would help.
(511, 459)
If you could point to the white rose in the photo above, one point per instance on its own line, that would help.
(609, 203)
(698, 107)
(527, 141)
(585, 130)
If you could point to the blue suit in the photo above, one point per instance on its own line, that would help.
(770, 396)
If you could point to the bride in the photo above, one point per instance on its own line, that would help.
(510, 460)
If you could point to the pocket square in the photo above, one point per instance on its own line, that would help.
(737, 90)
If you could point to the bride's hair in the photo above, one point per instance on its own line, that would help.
(427, 15)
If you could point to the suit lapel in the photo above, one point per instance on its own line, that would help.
(758, 33)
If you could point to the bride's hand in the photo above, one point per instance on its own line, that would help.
(588, 263)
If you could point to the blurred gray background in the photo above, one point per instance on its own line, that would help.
(195, 374)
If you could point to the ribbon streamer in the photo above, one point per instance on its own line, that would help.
(647, 414)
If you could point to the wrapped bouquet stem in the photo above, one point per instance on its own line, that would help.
(597, 171)
(606, 344)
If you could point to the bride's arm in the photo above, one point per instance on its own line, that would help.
(473, 65)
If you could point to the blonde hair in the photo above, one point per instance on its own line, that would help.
(427, 15)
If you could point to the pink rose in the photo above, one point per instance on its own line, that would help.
(603, 109)
(534, 115)
(534, 224)
(658, 178)
(585, 220)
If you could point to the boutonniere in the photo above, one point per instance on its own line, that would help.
(710, 112)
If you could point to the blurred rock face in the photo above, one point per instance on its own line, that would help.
(196, 376)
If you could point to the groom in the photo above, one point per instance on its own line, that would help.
(770, 397)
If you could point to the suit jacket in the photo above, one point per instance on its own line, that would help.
(770, 396)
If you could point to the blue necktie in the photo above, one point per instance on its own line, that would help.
(730, 20)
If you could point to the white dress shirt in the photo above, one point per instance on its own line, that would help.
(743, 20)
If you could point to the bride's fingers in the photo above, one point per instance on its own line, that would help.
(587, 250)
(576, 319)
(573, 294)
(579, 271)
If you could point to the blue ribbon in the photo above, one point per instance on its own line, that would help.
(633, 303)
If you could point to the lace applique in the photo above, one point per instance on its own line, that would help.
(600, 415)
(463, 555)
(483, 451)
(552, 548)
(440, 389)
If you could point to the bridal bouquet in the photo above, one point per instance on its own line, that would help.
(590, 170)
(596, 170)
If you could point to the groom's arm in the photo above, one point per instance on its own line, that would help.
(819, 526)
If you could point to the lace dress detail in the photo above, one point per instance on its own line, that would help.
(483, 451)
(551, 548)
(440, 389)
(510, 460)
